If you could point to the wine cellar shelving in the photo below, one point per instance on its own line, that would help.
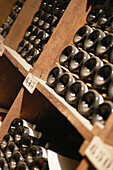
(44, 107)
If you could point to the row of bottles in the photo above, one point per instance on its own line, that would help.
(87, 101)
(90, 69)
(55, 7)
(85, 75)
(25, 147)
(101, 16)
(6, 26)
(95, 41)
(42, 26)
(21, 147)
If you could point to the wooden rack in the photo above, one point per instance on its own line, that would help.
(44, 106)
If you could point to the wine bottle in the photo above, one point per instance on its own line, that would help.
(49, 7)
(22, 166)
(64, 81)
(33, 153)
(26, 49)
(43, 5)
(52, 27)
(25, 131)
(42, 20)
(40, 163)
(34, 34)
(19, 122)
(11, 148)
(33, 53)
(1, 29)
(44, 42)
(54, 75)
(4, 30)
(94, 14)
(48, 22)
(19, 6)
(66, 55)
(92, 40)
(1, 154)
(89, 68)
(21, 45)
(27, 142)
(61, 7)
(88, 102)
(81, 35)
(104, 46)
(75, 92)
(15, 6)
(15, 159)
(20, 132)
(5, 141)
(3, 164)
(103, 77)
(11, 18)
(77, 60)
(102, 112)
(42, 36)
(56, 8)
(36, 17)
(104, 18)
(28, 32)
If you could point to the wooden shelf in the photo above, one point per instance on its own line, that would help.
(64, 34)
(44, 107)
(82, 125)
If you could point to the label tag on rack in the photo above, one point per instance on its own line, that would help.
(2, 48)
(30, 82)
(99, 155)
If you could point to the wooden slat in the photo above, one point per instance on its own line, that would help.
(107, 133)
(84, 165)
(25, 106)
(13, 113)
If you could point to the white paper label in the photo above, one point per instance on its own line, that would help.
(2, 48)
(99, 155)
(30, 83)
(44, 152)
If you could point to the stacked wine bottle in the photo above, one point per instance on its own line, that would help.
(85, 74)
(101, 16)
(42, 26)
(6, 26)
(24, 147)
(21, 147)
